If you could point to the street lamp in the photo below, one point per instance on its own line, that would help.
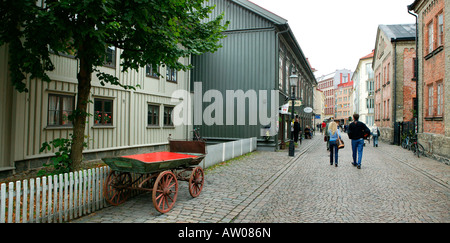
(293, 79)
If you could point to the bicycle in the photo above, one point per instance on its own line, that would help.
(406, 143)
(417, 148)
(197, 136)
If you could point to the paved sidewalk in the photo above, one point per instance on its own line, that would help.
(392, 186)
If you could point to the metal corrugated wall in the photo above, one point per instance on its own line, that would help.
(239, 17)
(245, 62)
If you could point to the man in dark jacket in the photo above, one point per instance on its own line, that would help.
(296, 129)
(357, 132)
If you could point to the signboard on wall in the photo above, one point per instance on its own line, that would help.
(285, 109)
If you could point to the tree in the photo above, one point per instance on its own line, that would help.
(148, 32)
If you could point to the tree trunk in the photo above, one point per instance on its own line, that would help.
(79, 123)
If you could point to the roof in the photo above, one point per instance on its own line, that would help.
(261, 11)
(399, 32)
(413, 5)
(326, 77)
(368, 56)
(348, 84)
(284, 30)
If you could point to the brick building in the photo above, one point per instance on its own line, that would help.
(332, 85)
(344, 102)
(326, 85)
(433, 76)
(393, 65)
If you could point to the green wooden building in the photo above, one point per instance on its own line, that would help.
(250, 75)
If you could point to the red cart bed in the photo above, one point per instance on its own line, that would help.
(158, 172)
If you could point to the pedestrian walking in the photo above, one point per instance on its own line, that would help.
(307, 132)
(296, 129)
(357, 131)
(326, 134)
(375, 135)
(323, 125)
(335, 134)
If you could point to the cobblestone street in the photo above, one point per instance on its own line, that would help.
(264, 187)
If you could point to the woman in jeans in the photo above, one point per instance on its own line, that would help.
(375, 132)
(334, 135)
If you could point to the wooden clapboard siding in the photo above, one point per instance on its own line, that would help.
(29, 111)
(6, 97)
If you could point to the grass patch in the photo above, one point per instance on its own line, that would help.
(228, 162)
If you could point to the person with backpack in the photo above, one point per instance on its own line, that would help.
(375, 135)
(357, 132)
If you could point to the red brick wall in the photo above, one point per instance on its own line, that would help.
(433, 70)
(378, 111)
(409, 86)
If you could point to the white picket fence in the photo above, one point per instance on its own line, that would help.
(57, 198)
(61, 198)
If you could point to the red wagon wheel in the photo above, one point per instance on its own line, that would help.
(165, 191)
(196, 181)
(115, 189)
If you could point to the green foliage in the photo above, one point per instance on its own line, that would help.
(148, 32)
(405, 134)
(61, 162)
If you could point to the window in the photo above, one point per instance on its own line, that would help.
(369, 70)
(369, 86)
(440, 29)
(430, 100)
(376, 82)
(280, 73)
(388, 115)
(440, 99)
(414, 101)
(60, 107)
(286, 76)
(415, 69)
(103, 111)
(430, 37)
(168, 116)
(387, 75)
(171, 74)
(152, 72)
(110, 59)
(153, 115)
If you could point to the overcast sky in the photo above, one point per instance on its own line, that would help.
(335, 34)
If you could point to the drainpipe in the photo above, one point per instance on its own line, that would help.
(395, 88)
(416, 69)
(277, 47)
(277, 56)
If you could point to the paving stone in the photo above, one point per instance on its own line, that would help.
(393, 185)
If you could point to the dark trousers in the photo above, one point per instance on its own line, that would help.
(333, 150)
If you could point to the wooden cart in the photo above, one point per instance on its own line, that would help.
(158, 173)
